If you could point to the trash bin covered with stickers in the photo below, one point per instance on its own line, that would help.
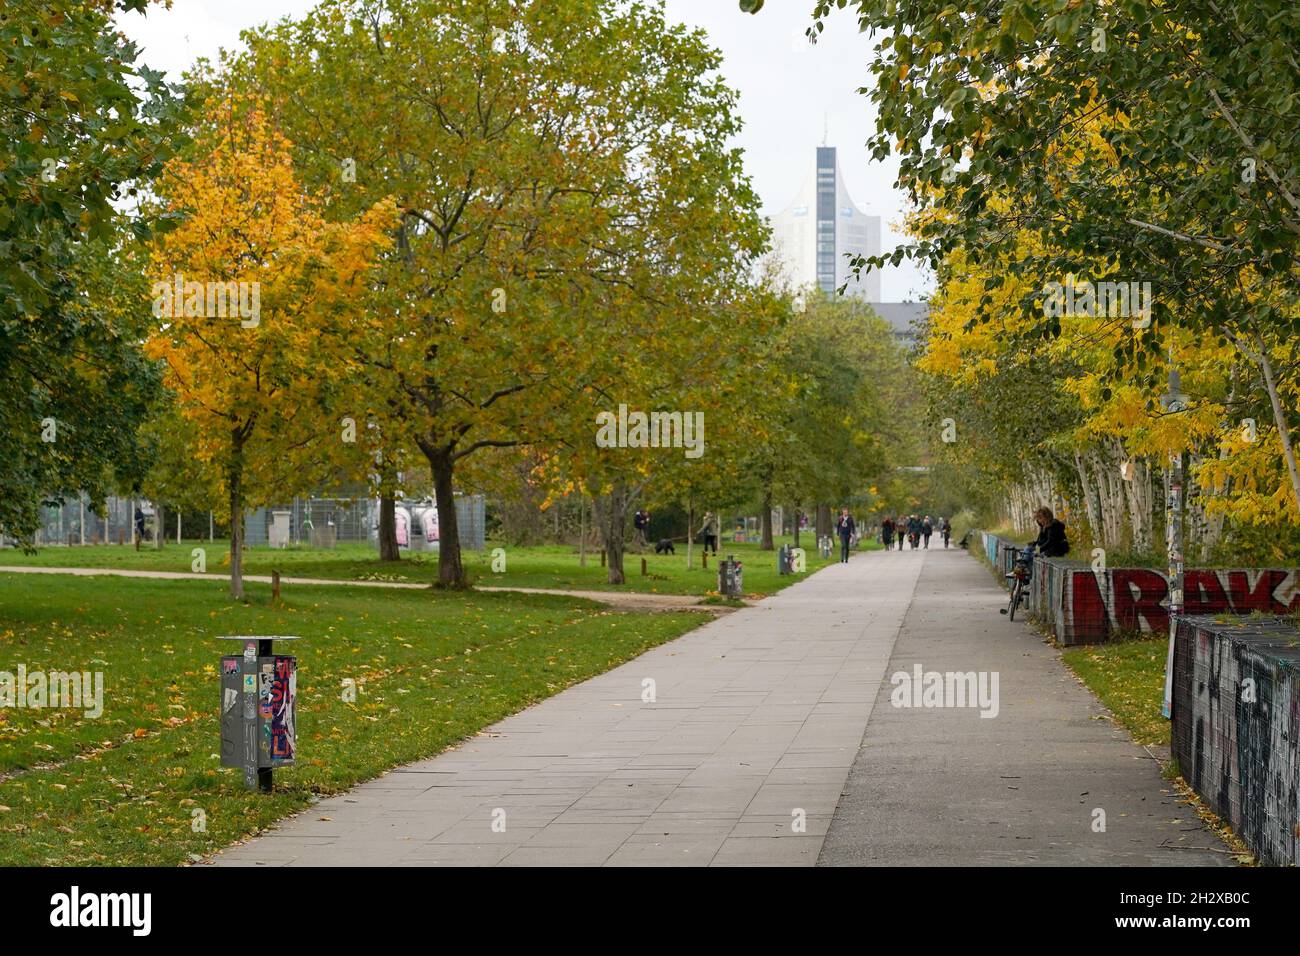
(730, 581)
(259, 709)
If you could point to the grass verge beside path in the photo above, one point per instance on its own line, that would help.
(1129, 678)
(431, 669)
(546, 566)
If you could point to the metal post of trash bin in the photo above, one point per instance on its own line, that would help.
(783, 559)
(259, 708)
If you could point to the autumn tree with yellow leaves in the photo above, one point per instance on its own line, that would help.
(249, 291)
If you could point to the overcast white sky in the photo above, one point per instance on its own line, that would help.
(789, 91)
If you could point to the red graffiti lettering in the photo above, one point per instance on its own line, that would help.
(1203, 593)
(1089, 618)
(1143, 608)
(1259, 598)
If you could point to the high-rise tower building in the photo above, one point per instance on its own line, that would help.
(815, 235)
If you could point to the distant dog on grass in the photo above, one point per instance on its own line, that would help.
(665, 546)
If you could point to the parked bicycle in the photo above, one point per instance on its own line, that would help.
(1021, 574)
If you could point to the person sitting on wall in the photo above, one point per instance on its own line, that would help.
(1051, 542)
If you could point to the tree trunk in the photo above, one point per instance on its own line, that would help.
(1106, 480)
(1089, 501)
(388, 549)
(451, 573)
(613, 527)
(765, 522)
(582, 529)
(824, 526)
(1214, 520)
(795, 511)
(690, 531)
(237, 522)
(1280, 420)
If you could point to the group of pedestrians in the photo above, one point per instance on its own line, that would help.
(916, 529)
(913, 528)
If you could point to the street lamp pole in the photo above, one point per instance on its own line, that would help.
(1173, 401)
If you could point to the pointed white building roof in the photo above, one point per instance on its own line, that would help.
(817, 233)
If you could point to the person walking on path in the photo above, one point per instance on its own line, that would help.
(710, 531)
(846, 529)
(641, 521)
(901, 527)
(927, 529)
(913, 531)
(887, 532)
(946, 528)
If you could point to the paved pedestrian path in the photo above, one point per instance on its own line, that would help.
(760, 725)
(1032, 786)
(756, 716)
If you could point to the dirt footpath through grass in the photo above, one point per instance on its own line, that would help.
(624, 600)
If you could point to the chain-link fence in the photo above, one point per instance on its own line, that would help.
(312, 522)
(316, 522)
(321, 522)
(76, 522)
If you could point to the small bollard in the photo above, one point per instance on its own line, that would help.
(259, 709)
(275, 585)
(644, 571)
(602, 557)
(704, 556)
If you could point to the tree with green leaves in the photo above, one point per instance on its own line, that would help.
(541, 155)
(841, 422)
(82, 126)
(1148, 142)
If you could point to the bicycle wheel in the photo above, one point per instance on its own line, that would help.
(1015, 598)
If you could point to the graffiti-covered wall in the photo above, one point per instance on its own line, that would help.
(1236, 727)
(1082, 605)
(1137, 600)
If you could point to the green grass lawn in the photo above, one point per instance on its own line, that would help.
(431, 669)
(538, 567)
(1129, 678)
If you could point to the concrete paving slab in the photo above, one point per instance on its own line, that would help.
(779, 685)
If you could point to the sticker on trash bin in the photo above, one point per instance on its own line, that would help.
(284, 693)
(250, 683)
(230, 665)
(250, 650)
(231, 699)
